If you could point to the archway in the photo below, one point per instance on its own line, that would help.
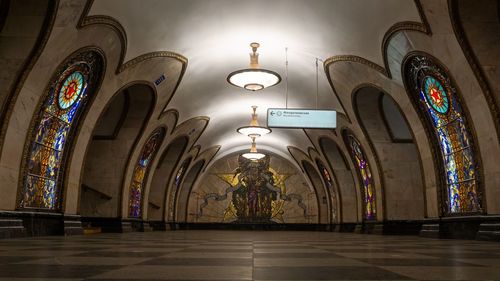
(321, 197)
(392, 142)
(186, 187)
(114, 137)
(161, 177)
(337, 161)
(175, 188)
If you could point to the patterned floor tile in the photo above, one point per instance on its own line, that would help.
(246, 255)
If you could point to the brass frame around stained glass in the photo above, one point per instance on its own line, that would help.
(53, 128)
(141, 171)
(174, 189)
(362, 170)
(452, 137)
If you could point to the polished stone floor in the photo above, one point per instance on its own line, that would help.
(246, 255)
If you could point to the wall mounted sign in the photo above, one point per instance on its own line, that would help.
(160, 79)
(301, 118)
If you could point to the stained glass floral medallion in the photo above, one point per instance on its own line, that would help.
(436, 95)
(71, 89)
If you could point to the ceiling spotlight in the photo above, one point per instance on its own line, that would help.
(254, 130)
(253, 154)
(253, 78)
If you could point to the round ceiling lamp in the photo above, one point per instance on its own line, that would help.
(254, 130)
(253, 78)
(253, 154)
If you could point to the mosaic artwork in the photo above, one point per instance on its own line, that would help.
(141, 171)
(256, 193)
(66, 99)
(365, 174)
(438, 101)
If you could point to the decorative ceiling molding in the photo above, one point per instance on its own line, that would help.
(211, 152)
(115, 25)
(172, 112)
(186, 123)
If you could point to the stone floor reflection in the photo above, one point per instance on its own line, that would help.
(246, 255)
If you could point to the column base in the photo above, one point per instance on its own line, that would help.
(430, 231)
(489, 231)
(11, 226)
(72, 225)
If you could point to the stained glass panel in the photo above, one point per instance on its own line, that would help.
(325, 174)
(439, 103)
(365, 174)
(177, 182)
(180, 173)
(141, 171)
(65, 101)
(71, 89)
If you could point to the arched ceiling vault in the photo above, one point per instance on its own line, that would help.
(214, 36)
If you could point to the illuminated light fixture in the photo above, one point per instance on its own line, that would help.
(253, 78)
(253, 154)
(254, 130)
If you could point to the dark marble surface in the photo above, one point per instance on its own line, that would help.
(246, 255)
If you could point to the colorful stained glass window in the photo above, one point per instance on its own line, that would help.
(180, 173)
(68, 93)
(177, 182)
(141, 172)
(438, 101)
(325, 174)
(365, 174)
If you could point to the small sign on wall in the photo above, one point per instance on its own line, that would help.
(160, 79)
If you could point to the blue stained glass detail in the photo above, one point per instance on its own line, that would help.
(325, 174)
(71, 89)
(436, 95)
(180, 173)
(55, 120)
(439, 103)
(364, 171)
(141, 171)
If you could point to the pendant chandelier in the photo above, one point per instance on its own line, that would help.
(253, 78)
(253, 154)
(254, 130)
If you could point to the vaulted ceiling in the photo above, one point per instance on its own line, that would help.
(214, 36)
